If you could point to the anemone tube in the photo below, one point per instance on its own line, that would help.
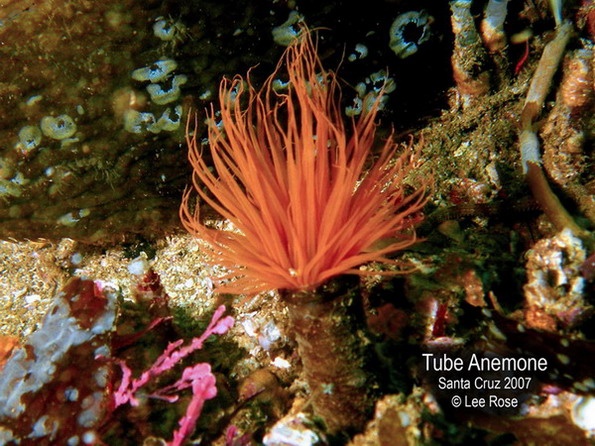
(529, 142)
(308, 207)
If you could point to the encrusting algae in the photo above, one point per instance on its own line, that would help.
(307, 205)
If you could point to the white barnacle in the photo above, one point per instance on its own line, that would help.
(286, 33)
(169, 30)
(138, 122)
(372, 92)
(29, 138)
(381, 81)
(156, 72)
(409, 31)
(279, 85)
(169, 121)
(356, 108)
(72, 218)
(164, 30)
(60, 127)
(360, 52)
(371, 99)
(162, 96)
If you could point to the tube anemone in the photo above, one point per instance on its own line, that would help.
(308, 207)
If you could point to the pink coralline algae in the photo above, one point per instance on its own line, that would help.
(197, 377)
(61, 387)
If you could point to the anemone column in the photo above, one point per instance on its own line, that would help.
(328, 326)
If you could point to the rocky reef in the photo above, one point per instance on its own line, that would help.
(95, 98)
(499, 290)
